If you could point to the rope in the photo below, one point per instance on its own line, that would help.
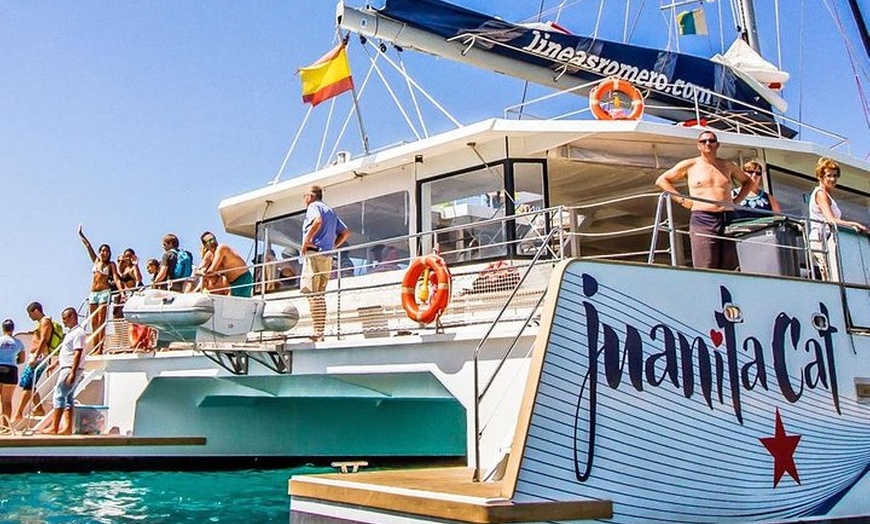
(778, 34)
(325, 131)
(598, 19)
(850, 51)
(412, 95)
(391, 92)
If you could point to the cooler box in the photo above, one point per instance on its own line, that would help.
(89, 420)
(769, 245)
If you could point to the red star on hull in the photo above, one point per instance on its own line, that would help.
(782, 448)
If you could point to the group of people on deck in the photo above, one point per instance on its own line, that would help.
(221, 270)
(712, 200)
(47, 336)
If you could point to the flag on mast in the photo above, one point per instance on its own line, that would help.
(692, 22)
(329, 76)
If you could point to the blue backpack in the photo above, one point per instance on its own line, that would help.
(183, 264)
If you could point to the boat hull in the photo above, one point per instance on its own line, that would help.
(676, 410)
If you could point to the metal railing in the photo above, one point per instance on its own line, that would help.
(731, 120)
(480, 392)
(45, 377)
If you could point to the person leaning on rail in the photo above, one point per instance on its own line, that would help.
(709, 178)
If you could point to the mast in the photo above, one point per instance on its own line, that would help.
(747, 26)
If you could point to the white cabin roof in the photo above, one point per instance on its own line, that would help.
(655, 144)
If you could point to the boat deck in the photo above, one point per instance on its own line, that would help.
(439, 493)
(54, 441)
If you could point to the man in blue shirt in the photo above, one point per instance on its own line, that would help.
(322, 231)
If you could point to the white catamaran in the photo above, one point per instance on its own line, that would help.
(538, 323)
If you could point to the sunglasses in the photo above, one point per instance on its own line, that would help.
(708, 141)
(754, 173)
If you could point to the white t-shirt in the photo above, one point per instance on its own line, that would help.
(10, 348)
(73, 340)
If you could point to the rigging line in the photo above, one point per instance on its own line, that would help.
(636, 20)
(411, 92)
(292, 146)
(721, 28)
(778, 35)
(598, 19)
(625, 21)
(557, 9)
(391, 92)
(670, 22)
(862, 26)
(423, 92)
(850, 51)
(735, 15)
(526, 83)
(801, 68)
(325, 132)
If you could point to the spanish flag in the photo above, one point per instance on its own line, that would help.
(326, 78)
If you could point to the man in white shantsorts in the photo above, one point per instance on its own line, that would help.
(71, 361)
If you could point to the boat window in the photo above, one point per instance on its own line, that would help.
(529, 196)
(793, 193)
(465, 199)
(383, 218)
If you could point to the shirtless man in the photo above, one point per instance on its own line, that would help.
(709, 178)
(45, 339)
(228, 263)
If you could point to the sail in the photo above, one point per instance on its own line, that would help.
(672, 81)
(750, 66)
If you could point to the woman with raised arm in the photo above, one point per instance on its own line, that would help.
(104, 271)
(824, 212)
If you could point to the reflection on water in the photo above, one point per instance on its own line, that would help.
(111, 497)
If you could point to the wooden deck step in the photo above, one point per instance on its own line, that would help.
(441, 493)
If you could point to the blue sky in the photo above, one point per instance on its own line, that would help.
(137, 118)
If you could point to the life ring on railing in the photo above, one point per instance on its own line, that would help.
(607, 104)
(141, 337)
(419, 301)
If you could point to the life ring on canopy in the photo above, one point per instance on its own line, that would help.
(419, 300)
(607, 94)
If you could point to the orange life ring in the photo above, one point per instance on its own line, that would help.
(141, 337)
(431, 303)
(606, 91)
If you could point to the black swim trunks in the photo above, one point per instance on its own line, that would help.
(8, 374)
(708, 252)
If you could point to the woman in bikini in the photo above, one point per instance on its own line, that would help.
(103, 271)
(128, 269)
(131, 278)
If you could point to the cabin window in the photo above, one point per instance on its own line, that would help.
(793, 193)
(466, 204)
(529, 197)
(376, 223)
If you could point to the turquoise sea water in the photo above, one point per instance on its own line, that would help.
(148, 497)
